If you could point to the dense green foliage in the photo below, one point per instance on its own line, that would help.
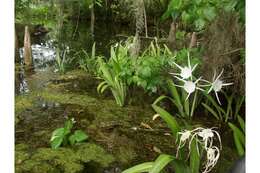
(198, 13)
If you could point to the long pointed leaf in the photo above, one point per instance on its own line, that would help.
(160, 163)
(144, 167)
(169, 119)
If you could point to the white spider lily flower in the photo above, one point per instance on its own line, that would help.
(213, 154)
(204, 137)
(207, 136)
(217, 84)
(189, 86)
(185, 135)
(186, 72)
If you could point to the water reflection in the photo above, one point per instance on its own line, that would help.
(43, 54)
(21, 84)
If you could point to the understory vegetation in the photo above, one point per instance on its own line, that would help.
(179, 63)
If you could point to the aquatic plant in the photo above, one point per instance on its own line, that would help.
(239, 135)
(200, 140)
(110, 73)
(150, 67)
(61, 61)
(64, 135)
(89, 62)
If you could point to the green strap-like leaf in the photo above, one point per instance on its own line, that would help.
(180, 166)
(169, 119)
(194, 158)
(144, 167)
(100, 86)
(160, 163)
(239, 139)
(241, 123)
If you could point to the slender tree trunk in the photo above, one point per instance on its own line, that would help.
(172, 36)
(193, 41)
(145, 22)
(92, 18)
(27, 47)
(17, 56)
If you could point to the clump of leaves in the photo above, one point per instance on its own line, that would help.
(62, 136)
(150, 67)
(89, 62)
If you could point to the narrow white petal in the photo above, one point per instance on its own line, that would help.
(180, 79)
(220, 74)
(178, 66)
(217, 98)
(210, 89)
(227, 84)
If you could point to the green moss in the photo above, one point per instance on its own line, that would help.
(23, 102)
(125, 155)
(91, 152)
(64, 158)
(67, 160)
(67, 98)
(21, 153)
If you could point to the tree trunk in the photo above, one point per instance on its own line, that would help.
(92, 18)
(17, 56)
(172, 36)
(27, 47)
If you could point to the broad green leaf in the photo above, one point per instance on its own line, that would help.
(56, 142)
(169, 119)
(78, 136)
(144, 167)
(210, 13)
(160, 163)
(57, 133)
